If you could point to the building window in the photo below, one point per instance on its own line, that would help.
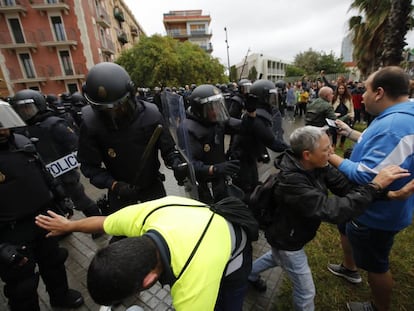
(66, 63)
(72, 87)
(16, 30)
(52, 1)
(9, 2)
(27, 64)
(58, 28)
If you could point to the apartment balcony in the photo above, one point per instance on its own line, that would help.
(57, 73)
(6, 41)
(67, 39)
(12, 7)
(177, 33)
(17, 77)
(134, 31)
(103, 18)
(122, 37)
(56, 6)
(200, 33)
(107, 46)
(207, 47)
(119, 14)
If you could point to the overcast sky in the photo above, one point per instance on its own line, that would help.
(278, 28)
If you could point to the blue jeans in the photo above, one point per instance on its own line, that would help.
(295, 264)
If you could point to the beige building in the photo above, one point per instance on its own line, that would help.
(49, 45)
(267, 67)
(189, 25)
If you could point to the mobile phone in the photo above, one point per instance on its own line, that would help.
(331, 123)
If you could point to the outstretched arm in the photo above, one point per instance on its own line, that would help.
(58, 225)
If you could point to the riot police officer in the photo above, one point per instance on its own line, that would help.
(207, 122)
(237, 102)
(120, 137)
(249, 148)
(24, 193)
(55, 140)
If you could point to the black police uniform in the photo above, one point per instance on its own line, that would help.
(57, 139)
(121, 153)
(206, 141)
(24, 194)
(248, 148)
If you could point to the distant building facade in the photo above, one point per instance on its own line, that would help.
(49, 45)
(267, 67)
(189, 25)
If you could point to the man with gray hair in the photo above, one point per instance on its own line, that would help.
(305, 178)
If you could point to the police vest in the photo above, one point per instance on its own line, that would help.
(121, 150)
(46, 145)
(23, 189)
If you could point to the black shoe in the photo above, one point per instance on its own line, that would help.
(349, 275)
(259, 285)
(72, 299)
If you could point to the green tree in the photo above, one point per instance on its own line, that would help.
(293, 71)
(311, 63)
(163, 61)
(307, 60)
(233, 74)
(394, 39)
(369, 29)
(252, 74)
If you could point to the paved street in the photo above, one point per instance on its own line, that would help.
(82, 248)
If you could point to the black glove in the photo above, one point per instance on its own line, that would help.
(180, 172)
(125, 191)
(10, 255)
(64, 206)
(227, 168)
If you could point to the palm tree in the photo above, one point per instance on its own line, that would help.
(378, 38)
(397, 29)
(368, 32)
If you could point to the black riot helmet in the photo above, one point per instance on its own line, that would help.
(78, 99)
(244, 86)
(9, 119)
(208, 105)
(280, 84)
(264, 93)
(28, 103)
(111, 93)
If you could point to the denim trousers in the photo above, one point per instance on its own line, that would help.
(295, 264)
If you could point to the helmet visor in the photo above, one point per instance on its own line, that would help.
(117, 114)
(214, 109)
(272, 99)
(26, 108)
(9, 119)
(245, 88)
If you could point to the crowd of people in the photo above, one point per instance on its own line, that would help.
(201, 246)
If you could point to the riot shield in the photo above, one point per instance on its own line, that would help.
(174, 114)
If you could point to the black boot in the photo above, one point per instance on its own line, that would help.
(93, 210)
(72, 299)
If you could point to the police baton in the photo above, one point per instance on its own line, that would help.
(152, 141)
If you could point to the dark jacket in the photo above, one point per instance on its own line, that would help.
(121, 150)
(304, 202)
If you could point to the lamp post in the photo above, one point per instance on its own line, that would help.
(228, 57)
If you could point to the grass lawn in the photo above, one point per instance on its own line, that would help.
(333, 292)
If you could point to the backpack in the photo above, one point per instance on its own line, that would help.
(263, 202)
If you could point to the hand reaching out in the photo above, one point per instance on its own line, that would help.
(55, 223)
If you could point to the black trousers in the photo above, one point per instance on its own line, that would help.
(21, 281)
